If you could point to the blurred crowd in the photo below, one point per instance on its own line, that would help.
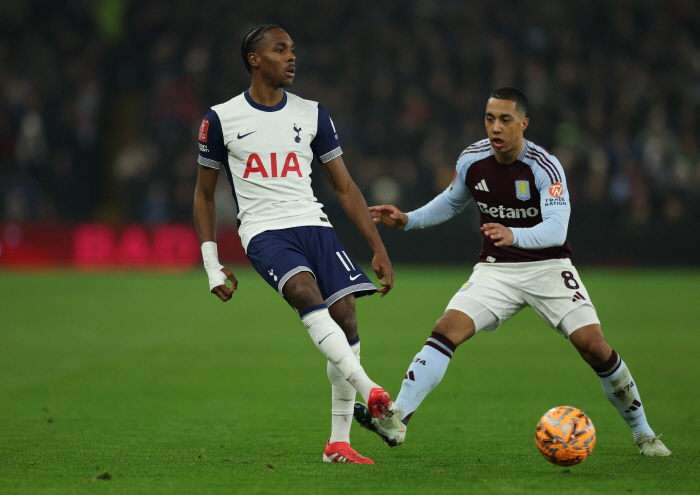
(100, 101)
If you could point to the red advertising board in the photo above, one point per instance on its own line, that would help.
(100, 246)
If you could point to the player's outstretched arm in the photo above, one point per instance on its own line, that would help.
(355, 207)
(389, 215)
(205, 223)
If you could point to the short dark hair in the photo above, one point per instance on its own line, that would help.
(512, 94)
(252, 39)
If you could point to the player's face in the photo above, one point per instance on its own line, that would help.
(505, 126)
(275, 59)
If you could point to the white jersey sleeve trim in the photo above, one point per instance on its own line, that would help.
(208, 163)
(330, 155)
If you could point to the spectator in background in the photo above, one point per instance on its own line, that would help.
(614, 87)
(50, 111)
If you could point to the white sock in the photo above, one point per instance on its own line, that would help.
(340, 427)
(342, 399)
(331, 341)
(623, 393)
(424, 374)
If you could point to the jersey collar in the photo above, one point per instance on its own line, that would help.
(264, 108)
(523, 152)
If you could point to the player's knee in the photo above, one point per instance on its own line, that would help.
(592, 345)
(302, 291)
(348, 322)
(343, 313)
(456, 331)
(599, 350)
(305, 294)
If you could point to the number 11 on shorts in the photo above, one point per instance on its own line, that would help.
(340, 257)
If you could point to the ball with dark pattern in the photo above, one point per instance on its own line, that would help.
(565, 436)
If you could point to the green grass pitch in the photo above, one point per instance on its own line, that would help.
(152, 383)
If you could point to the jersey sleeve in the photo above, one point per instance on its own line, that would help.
(555, 207)
(446, 205)
(212, 150)
(325, 144)
(551, 184)
(550, 232)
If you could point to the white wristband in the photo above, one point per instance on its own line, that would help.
(210, 255)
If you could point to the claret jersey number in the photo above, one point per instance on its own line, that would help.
(569, 280)
(255, 165)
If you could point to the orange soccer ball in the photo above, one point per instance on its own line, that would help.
(565, 436)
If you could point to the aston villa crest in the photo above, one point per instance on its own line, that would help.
(522, 189)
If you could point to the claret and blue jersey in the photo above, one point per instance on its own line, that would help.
(267, 153)
(529, 196)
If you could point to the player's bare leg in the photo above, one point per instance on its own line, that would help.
(343, 313)
(590, 342)
(618, 385)
(458, 327)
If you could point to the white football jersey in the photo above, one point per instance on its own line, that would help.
(267, 153)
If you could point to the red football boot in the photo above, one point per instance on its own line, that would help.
(342, 452)
(379, 403)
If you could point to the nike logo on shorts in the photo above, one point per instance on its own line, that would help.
(244, 135)
(353, 278)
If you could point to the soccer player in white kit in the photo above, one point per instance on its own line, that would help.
(266, 140)
(521, 192)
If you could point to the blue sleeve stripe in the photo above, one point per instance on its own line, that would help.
(208, 163)
(330, 155)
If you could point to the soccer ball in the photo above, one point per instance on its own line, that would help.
(565, 436)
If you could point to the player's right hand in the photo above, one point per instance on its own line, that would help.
(385, 273)
(223, 291)
(389, 215)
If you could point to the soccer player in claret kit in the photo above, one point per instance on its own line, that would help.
(521, 192)
(266, 140)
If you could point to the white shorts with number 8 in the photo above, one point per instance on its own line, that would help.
(553, 288)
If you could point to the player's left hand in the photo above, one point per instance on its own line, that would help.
(223, 291)
(385, 273)
(499, 233)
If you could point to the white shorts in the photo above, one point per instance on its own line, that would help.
(553, 288)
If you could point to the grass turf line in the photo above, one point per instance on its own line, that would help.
(154, 381)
